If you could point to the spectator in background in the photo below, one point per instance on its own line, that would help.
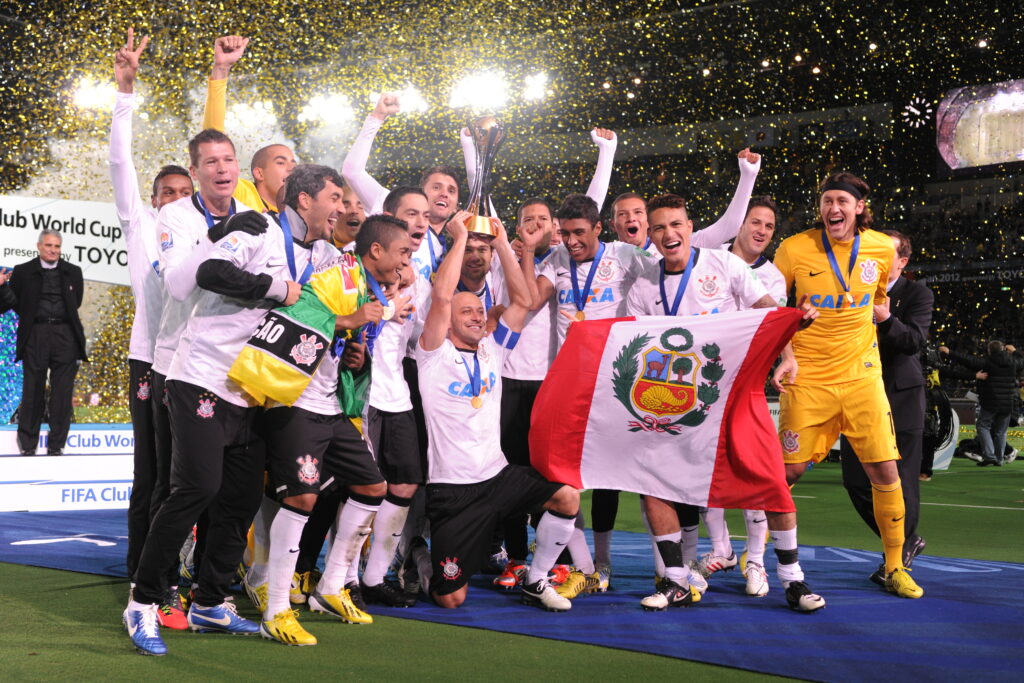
(46, 293)
(997, 388)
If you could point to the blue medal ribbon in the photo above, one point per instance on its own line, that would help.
(475, 382)
(537, 258)
(373, 329)
(581, 301)
(435, 261)
(835, 265)
(289, 251)
(685, 280)
(647, 243)
(487, 293)
(208, 215)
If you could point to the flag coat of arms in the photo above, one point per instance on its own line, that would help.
(672, 407)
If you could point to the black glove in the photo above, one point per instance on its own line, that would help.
(252, 222)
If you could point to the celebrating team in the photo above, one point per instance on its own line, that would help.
(321, 371)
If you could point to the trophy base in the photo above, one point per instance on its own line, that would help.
(481, 225)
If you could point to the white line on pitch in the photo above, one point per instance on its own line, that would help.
(804, 496)
(976, 507)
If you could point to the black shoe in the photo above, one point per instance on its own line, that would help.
(28, 452)
(912, 550)
(356, 595)
(410, 573)
(878, 577)
(59, 451)
(986, 461)
(386, 594)
(801, 599)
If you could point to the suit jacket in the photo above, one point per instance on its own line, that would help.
(23, 291)
(900, 341)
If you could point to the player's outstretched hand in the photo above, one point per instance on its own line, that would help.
(126, 61)
(603, 138)
(227, 50)
(748, 156)
(387, 104)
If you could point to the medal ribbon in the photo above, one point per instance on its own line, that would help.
(289, 251)
(372, 330)
(581, 301)
(685, 280)
(835, 265)
(487, 293)
(208, 215)
(435, 261)
(474, 377)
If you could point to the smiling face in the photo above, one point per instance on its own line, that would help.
(580, 237)
(352, 216)
(670, 232)
(388, 264)
(442, 196)
(468, 320)
(755, 234)
(321, 211)
(216, 171)
(630, 221)
(477, 261)
(839, 210)
(275, 167)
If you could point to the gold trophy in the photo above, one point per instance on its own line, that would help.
(488, 134)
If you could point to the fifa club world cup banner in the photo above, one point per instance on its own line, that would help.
(90, 235)
(672, 407)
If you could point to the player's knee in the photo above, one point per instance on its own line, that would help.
(450, 600)
(403, 490)
(378, 490)
(794, 471)
(566, 501)
(303, 501)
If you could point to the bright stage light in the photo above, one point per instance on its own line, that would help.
(482, 91)
(92, 94)
(250, 116)
(332, 108)
(536, 87)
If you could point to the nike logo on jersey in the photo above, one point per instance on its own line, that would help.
(560, 544)
(896, 520)
(812, 274)
(293, 551)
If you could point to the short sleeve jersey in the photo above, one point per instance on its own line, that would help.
(720, 282)
(618, 268)
(841, 345)
(464, 443)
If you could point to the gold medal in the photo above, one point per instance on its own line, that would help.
(849, 298)
(389, 311)
(477, 402)
(580, 315)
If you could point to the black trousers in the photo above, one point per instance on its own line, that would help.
(909, 434)
(214, 466)
(140, 396)
(517, 399)
(53, 349)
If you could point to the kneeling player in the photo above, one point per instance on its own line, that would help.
(470, 485)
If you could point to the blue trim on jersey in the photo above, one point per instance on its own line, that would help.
(505, 337)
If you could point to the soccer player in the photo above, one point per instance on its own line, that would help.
(213, 467)
(314, 433)
(842, 267)
(753, 239)
(271, 164)
(629, 212)
(676, 286)
(344, 234)
(471, 487)
(138, 222)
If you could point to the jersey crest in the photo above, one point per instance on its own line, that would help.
(606, 270)
(144, 391)
(309, 473)
(790, 441)
(709, 286)
(305, 351)
(206, 405)
(869, 271)
(450, 569)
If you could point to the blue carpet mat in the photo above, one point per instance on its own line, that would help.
(968, 626)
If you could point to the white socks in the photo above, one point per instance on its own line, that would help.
(387, 532)
(757, 535)
(553, 534)
(718, 531)
(578, 548)
(285, 534)
(257, 574)
(351, 529)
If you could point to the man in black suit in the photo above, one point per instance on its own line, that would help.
(46, 293)
(903, 323)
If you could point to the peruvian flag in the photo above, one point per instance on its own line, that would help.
(672, 407)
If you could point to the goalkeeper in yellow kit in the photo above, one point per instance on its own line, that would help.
(842, 268)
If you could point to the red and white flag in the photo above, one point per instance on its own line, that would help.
(672, 407)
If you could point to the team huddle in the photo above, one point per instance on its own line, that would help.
(315, 356)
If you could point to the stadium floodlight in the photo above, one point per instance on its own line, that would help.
(329, 109)
(481, 91)
(410, 100)
(254, 116)
(536, 87)
(91, 94)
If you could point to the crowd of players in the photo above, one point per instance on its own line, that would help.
(411, 350)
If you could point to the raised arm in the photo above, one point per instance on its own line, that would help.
(227, 50)
(519, 296)
(540, 287)
(728, 226)
(122, 170)
(353, 169)
(606, 142)
(435, 327)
